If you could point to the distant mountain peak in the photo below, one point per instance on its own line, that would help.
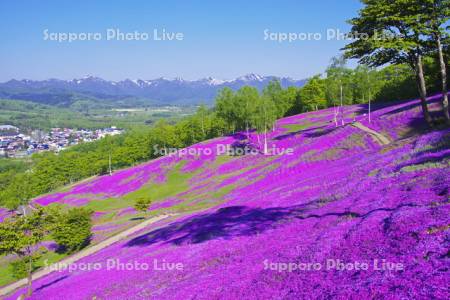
(212, 81)
(160, 90)
(252, 77)
(87, 78)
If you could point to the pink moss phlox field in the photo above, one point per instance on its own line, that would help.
(127, 211)
(97, 215)
(119, 184)
(340, 196)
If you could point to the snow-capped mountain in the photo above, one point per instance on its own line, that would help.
(251, 77)
(161, 90)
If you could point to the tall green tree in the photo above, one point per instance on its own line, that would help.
(312, 94)
(338, 86)
(434, 15)
(386, 34)
(19, 235)
(71, 229)
(397, 82)
(162, 136)
(367, 84)
(264, 118)
(285, 100)
(246, 99)
(225, 102)
(203, 117)
(291, 96)
(274, 91)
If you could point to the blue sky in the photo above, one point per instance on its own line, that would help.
(222, 39)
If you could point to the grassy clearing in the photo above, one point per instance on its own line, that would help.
(176, 182)
(291, 128)
(425, 166)
(6, 271)
(6, 276)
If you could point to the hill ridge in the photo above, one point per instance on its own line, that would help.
(326, 201)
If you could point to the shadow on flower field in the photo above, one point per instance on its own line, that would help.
(402, 120)
(319, 133)
(319, 130)
(234, 221)
(430, 151)
(51, 283)
(225, 223)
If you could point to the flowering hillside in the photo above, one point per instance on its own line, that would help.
(340, 217)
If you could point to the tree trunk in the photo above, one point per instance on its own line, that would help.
(30, 279)
(29, 275)
(258, 139)
(265, 141)
(335, 116)
(444, 80)
(420, 80)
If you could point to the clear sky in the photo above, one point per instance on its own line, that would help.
(222, 39)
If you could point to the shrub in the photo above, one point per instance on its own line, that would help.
(73, 229)
(142, 204)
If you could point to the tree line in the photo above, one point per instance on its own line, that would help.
(242, 110)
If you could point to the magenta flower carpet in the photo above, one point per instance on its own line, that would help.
(342, 217)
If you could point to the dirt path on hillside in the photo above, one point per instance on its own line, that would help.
(82, 254)
(380, 138)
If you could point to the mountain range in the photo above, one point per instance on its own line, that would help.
(160, 91)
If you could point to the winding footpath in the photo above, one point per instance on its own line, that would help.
(86, 252)
(380, 138)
